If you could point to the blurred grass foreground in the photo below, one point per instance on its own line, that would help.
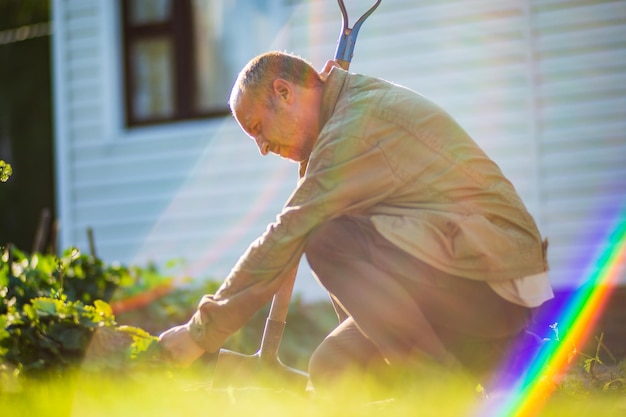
(187, 393)
(77, 338)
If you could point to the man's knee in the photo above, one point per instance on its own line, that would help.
(346, 352)
(322, 365)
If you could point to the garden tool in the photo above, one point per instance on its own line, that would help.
(347, 38)
(264, 367)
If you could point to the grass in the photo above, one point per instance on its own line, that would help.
(172, 392)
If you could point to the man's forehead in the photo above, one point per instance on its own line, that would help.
(244, 113)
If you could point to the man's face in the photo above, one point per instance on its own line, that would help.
(288, 128)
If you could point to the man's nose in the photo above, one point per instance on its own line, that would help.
(263, 145)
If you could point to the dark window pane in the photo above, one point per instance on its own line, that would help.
(154, 92)
(226, 35)
(211, 83)
(182, 56)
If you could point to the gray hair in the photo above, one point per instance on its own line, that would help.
(258, 75)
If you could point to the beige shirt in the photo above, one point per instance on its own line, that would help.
(389, 153)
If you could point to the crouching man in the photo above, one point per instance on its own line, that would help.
(424, 246)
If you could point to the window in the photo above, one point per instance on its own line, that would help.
(182, 56)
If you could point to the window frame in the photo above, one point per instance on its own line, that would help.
(179, 30)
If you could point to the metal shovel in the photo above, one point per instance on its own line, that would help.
(264, 367)
(347, 38)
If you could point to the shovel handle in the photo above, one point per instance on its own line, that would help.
(282, 298)
(348, 35)
(276, 320)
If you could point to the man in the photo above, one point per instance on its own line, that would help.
(424, 246)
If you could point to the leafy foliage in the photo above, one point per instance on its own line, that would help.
(602, 370)
(50, 333)
(79, 277)
(585, 373)
(5, 171)
(52, 307)
(60, 312)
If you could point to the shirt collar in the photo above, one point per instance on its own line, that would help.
(333, 87)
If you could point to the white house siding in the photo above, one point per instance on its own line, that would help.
(197, 191)
(580, 74)
(539, 84)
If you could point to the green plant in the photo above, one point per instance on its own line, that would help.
(5, 171)
(587, 374)
(52, 308)
(77, 276)
(608, 376)
(49, 333)
(57, 311)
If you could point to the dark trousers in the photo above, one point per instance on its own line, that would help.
(395, 309)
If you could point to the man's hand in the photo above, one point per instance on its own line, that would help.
(329, 65)
(179, 347)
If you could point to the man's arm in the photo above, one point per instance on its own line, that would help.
(348, 175)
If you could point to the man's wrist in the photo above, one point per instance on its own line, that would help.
(196, 328)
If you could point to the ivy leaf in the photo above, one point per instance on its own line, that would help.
(47, 306)
(103, 310)
(134, 331)
(5, 171)
(143, 342)
(30, 312)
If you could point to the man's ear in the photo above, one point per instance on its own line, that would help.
(283, 90)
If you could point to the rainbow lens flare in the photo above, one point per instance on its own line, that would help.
(577, 316)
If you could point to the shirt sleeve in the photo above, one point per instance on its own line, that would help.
(345, 176)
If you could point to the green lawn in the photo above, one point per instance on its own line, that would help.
(171, 392)
(53, 319)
